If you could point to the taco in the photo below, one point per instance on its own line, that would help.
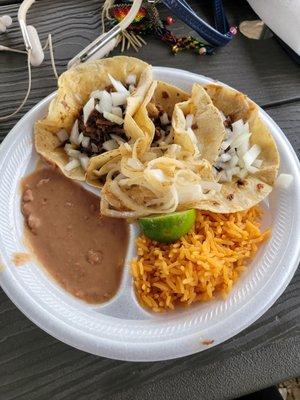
(87, 117)
(150, 127)
(247, 162)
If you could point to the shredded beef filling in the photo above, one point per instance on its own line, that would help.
(98, 129)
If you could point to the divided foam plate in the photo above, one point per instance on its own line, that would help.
(121, 328)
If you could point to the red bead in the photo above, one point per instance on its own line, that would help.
(170, 20)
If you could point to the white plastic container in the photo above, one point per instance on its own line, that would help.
(121, 328)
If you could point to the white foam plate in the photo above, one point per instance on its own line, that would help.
(121, 328)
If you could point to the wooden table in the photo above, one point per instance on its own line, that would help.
(34, 365)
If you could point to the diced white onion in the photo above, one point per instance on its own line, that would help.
(238, 127)
(105, 103)
(113, 118)
(252, 169)
(74, 133)
(84, 161)
(131, 88)
(94, 148)
(73, 153)
(225, 157)
(234, 161)
(251, 155)
(110, 145)
(117, 111)
(117, 138)
(257, 163)
(119, 99)
(131, 79)
(192, 136)
(284, 181)
(226, 143)
(189, 121)
(74, 163)
(240, 140)
(97, 94)
(135, 164)
(87, 109)
(164, 119)
(80, 138)
(85, 141)
(62, 135)
(117, 85)
(242, 173)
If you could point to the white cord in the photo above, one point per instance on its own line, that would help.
(47, 44)
(6, 117)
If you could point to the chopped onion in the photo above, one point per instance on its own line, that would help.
(97, 94)
(192, 136)
(74, 133)
(226, 143)
(131, 88)
(87, 109)
(284, 181)
(119, 99)
(257, 163)
(62, 135)
(117, 138)
(251, 155)
(134, 163)
(105, 103)
(164, 119)
(252, 169)
(234, 161)
(238, 127)
(73, 153)
(84, 161)
(85, 141)
(117, 85)
(225, 157)
(74, 163)
(189, 121)
(113, 118)
(117, 111)
(110, 145)
(94, 148)
(80, 138)
(240, 140)
(131, 79)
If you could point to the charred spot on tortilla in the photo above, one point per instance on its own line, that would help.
(259, 186)
(241, 182)
(230, 196)
(165, 94)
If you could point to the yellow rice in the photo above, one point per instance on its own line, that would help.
(201, 265)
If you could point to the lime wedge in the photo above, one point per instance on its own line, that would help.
(167, 228)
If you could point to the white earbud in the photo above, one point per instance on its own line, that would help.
(5, 22)
(37, 54)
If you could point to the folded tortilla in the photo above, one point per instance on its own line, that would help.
(239, 194)
(141, 127)
(74, 89)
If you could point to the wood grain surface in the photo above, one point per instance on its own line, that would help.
(34, 365)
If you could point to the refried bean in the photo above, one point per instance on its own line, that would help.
(83, 251)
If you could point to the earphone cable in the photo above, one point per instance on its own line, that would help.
(6, 117)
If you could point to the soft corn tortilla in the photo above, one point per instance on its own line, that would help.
(241, 194)
(208, 125)
(74, 89)
(140, 125)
